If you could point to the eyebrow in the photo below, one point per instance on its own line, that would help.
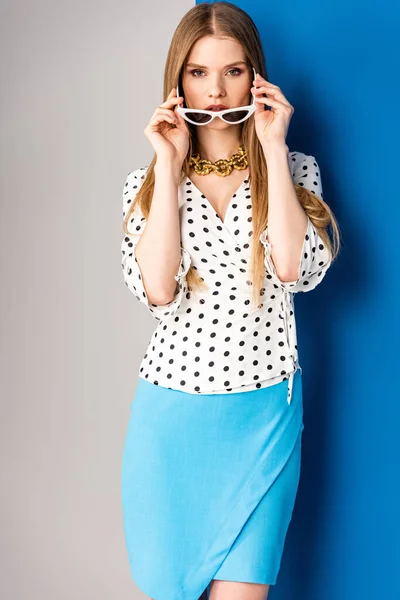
(238, 62)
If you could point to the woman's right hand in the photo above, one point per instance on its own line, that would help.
(169, 138)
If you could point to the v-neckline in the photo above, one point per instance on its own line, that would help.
(223, 222)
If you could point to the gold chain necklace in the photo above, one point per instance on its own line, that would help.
(221, 167)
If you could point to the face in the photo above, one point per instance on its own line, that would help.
(216, 72)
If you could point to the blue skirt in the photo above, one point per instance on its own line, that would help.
(209, 483)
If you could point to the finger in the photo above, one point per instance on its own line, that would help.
(274, 103)
(180, 120)
(261, 80)
(169, 114)
(163, 114)
(276, 93)
(259, 107)
(160, 118)
(164, 111)
(171, 101)
(267, 83)
(172, 93)
(268, 86)
(271, 89)
(176, 113)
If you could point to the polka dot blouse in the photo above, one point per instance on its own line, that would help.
(213, 341)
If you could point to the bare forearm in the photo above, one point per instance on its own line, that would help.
(287, 221)
(158, 250)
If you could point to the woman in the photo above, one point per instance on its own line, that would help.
(221, 229)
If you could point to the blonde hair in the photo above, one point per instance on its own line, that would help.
(224, 19)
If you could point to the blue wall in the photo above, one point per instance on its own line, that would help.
(338, 65)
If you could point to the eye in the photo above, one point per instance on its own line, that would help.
(193, 71)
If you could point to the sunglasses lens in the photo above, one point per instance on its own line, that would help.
(198, 117)
(235, 116)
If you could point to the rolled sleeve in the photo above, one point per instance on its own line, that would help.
(130, 267)
(315, 256)
(314, 263)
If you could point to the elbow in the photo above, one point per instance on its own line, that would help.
(159, 290)
(286, 272)
(162, 296)
(287, 279)
(289, 276)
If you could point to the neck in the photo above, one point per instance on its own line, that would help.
(214, 144)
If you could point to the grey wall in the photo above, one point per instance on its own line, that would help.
(79, 83)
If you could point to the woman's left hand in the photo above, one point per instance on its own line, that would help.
(271, 125)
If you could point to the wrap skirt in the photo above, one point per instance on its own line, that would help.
(209, 483)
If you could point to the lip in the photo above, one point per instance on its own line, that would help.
(218, 106)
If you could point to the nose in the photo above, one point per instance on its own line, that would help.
(216, 88)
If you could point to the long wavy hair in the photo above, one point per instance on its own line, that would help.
(224, 19)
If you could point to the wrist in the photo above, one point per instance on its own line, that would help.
(169, 168)
(274, 147)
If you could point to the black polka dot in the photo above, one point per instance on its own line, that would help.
(220, 321)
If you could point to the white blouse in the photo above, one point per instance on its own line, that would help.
(212, 341)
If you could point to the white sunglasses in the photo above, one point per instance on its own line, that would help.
(198, 116)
